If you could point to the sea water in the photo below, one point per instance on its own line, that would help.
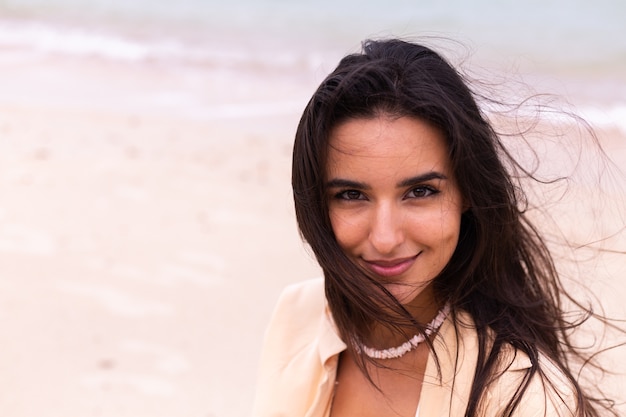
(580, 43)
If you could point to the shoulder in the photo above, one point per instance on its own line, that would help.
(549, 392)
(292, 367)
(305, 294)
(299, 306)
(295, 322)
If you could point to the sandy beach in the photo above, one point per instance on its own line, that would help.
(143, 245)
(140, 253)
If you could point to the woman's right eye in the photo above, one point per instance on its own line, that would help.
(350, 195)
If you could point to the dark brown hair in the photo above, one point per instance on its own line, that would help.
(501, 272)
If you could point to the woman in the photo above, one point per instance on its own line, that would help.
(439, 298)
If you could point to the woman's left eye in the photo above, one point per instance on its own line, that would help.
(421, 192)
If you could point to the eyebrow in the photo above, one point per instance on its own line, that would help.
(429, 176)
(345, 183)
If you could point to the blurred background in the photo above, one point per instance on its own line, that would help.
(146, 226)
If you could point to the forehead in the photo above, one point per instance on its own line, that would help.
(384, 144)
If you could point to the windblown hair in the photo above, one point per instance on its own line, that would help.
(501, 272)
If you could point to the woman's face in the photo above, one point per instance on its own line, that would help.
(394, 204)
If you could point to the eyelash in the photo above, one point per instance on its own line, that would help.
(343, 195)
(428, 190)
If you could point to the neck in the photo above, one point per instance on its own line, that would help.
(423, 308)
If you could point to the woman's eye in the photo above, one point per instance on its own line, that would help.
(421, 192)
(351, 195)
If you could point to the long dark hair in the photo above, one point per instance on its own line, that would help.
(501, 272)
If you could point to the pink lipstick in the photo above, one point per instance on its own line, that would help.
(390, 268)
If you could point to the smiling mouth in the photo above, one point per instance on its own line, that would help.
(390, 268)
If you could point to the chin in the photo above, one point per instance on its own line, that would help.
(403, 293)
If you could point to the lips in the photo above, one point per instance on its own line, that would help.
(390, 268)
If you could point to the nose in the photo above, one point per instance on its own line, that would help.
(386, 229)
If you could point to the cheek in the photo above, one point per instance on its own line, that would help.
(450, 235)
(441, 232)
(348, 230)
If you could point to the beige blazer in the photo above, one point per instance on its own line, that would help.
(299, 364)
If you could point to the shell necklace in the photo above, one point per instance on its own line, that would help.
(406, 347)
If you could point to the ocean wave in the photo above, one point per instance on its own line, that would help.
(44, 38)
(606, 117)
(28, 39)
